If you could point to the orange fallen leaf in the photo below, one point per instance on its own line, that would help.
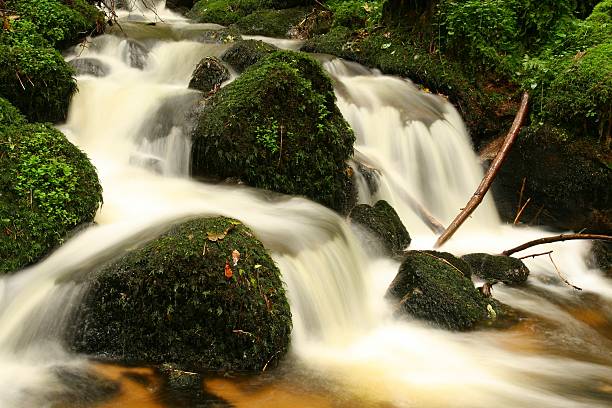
(228, 271)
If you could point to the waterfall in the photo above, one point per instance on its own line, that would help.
(132, 125)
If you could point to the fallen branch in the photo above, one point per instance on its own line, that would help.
(488, 178)
(556, 238)
(534, 255)
(561, 276)
(520, 213)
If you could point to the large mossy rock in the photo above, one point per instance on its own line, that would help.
(243, 54)
(383, 223)
(47, 188)
(568, 185)
(277, 127)
(430, 288)
(497, 268)
(208, 75)
(180, 299)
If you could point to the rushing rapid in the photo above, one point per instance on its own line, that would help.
(132, 124)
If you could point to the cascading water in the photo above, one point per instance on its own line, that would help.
(131, 124)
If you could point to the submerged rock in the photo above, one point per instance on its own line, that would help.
(383, 223)
(277, 127)
(205, 294)
(494, 268)
(135, 54)
(243, 54)
(428, 287)
(208, 75)
(89, 66)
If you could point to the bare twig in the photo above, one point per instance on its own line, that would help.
(271, 358)
(561, 276)
(487, 180)
(556, 238)
(534, 255)
(520, 201)
(520, 212)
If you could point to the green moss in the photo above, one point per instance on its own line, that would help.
(225, 12)
(271, 23)
(277, 127)
(428, 287)
(170, 301)
(497, 268)
(36, 80)
(47, 187)
(9, 115)
(57, 22)
(384, 224)
(355, 14)
(243, 54)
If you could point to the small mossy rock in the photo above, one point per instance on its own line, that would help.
(180, 299)
(243, 54)
(277, 127)
(601, 257)
(208, 75)
(272, 23)
(384, 224)
(458, 263)
(429, 288)
(47, 188)
(89, 66)
(493, 268)
(37, 81)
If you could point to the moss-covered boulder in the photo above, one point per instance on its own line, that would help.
(243, 54)
(569, 185)
(205, 294)
(47, 187)
(497, 268)
(224, 12)
(9, 115)
(59, 22)
(277, 127)
(209, 74)
(384, 225)
(428, 287)
(36, 80)
(272, 23)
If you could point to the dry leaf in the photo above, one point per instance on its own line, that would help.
(228, 271)
(235, 257)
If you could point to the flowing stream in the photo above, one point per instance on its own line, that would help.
(131, 124)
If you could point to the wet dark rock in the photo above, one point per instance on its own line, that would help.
(243, 54)
(180, 299)
(568, 185)
(427, 287)
(222, 36)
(173, 112)
(208, 75)
(89, 66)
(497, 268)
(135, 54)
(600, 257)
(371, 177)
(277, 127)
(383, 223)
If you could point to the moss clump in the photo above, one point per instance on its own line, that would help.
(429, 288)
(243, 54)
(277, 127)
(209, 74)
(225, 12)
(9, 115)
(37, 81)
(384, 224)
(271, 23)
(172, 301)
(47, 187)
(59, 23)
(497, 268)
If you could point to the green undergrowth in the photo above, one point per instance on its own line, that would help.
(277, 127)
(47, 188)
(181, 299)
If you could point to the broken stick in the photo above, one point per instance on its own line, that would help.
(488, 178)
(556, 238)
